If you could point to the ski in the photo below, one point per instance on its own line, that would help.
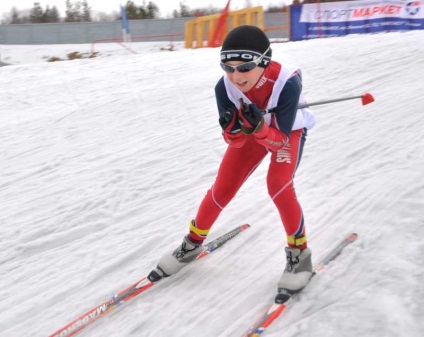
(101, 310)
(284, 299)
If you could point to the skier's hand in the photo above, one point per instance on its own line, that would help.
(228, 120)
(251, 118)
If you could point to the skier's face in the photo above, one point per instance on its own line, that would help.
(246, 80)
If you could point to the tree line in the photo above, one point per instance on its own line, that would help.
(80, 11)
(77, 11)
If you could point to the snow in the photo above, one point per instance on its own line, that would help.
(104, 162)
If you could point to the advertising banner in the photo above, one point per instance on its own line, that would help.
(328, 19)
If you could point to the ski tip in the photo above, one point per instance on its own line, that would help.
(352, 237)
(243, 227)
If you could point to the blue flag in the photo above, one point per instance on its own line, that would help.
(124, 20)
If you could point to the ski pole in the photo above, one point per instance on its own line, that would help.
(366, 98)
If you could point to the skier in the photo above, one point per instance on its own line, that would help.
(252, 83)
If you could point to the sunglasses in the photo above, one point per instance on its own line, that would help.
(244, 67)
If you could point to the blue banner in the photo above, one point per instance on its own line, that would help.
(354, 17)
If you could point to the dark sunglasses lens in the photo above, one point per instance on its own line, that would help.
(227, 68)
(245, 67)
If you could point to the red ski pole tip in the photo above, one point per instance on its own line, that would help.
(367, 99)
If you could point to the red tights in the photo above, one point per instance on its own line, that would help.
(237, 165)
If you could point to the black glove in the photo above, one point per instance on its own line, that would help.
(251, 117)
(228, 120)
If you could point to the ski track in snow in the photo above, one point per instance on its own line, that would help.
(104, 162)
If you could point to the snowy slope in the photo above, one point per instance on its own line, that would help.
(104, 162)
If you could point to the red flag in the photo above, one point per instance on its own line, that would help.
(219, 32)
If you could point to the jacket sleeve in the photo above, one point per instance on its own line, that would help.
(276, 136)
(235, 139)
